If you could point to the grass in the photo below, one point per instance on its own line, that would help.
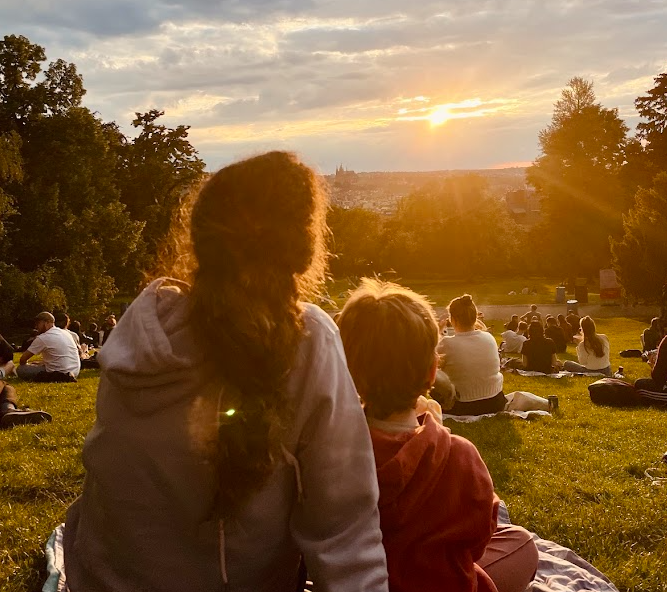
(577, 478)
(484, 292)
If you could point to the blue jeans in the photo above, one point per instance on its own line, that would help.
(570, 366)
(29, 371)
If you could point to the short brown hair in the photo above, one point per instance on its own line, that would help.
(463, 310)
(390, 334)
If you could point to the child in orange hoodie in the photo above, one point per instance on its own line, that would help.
(438, 510)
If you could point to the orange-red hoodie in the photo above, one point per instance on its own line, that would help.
(437, 509)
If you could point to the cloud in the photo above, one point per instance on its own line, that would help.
(332, 76)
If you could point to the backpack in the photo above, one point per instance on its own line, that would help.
(615, 393)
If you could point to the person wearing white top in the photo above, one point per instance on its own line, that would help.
(592, 351)
(59, 352)
(514, 339)
(470, 359)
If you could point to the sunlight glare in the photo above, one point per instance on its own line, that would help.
(439, 116)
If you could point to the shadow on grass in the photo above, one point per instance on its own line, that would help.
(497, 440)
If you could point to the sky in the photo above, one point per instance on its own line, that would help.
(374, 85)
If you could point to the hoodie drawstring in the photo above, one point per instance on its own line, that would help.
(223, 560)
(293, 462)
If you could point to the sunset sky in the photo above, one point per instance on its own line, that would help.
(371, 84)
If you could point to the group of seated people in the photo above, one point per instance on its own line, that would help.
(539, 344)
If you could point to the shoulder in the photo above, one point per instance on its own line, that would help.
(317, 323)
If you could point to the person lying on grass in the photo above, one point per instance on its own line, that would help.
(438, 510)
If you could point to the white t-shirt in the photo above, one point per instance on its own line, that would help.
(513, 341)
(590, 360)
(58, 350)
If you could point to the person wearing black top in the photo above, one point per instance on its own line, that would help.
(538, 352)
(556, 334)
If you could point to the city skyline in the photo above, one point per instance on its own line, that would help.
(375, 86)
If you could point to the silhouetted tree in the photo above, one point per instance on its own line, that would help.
(577, 176)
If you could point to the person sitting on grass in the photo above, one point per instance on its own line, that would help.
(566, 328)
(11, 415)
(658, 361)
(512, 324)
(229, 440)
(59, 352)
(555, 333)
(651, 336)
(531, 315)
(513, 340)
(438, 510)
(538, 353)
(472, 363)
(575, 321)
(592, 351)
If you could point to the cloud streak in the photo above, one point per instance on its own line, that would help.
(338, 81)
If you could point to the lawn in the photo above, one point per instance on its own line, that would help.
(577, 478)
(494, 291)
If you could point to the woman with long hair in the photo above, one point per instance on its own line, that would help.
(470, 359)
(592, 351)
(229, 440)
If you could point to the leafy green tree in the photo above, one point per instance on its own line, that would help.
(451, 229)
(355, 241)
(578, 177)
(652, 107)
(157, 170)
(640, 256)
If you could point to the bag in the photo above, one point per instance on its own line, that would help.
(525, 401)
(631, 353)
(615, 393)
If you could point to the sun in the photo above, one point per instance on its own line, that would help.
(439, 116)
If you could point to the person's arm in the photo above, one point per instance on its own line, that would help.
(25, 357)
(337, 526)
(659, 372)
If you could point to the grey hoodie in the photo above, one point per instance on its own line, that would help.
(146, 519)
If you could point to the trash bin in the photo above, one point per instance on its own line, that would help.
(573, 305)
(581, 294)
(560, 295)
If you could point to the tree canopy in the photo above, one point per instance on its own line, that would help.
(82, 207)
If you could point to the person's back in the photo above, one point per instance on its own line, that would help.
(574, 320)
(555, 333)
(210, 465)
(438, 511)
(538, 352)
(58, 350)
(513, 340)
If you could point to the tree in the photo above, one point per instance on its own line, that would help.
(577, 176)
(356, 244)
(653, 132)
(640, 256)
(157, 170)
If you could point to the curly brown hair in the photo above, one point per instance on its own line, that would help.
(389, 334)
(255, 250)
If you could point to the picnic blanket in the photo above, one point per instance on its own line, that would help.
(473, 418)
(559, 569)
(560, 374)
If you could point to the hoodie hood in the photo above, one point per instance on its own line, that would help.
(410, 465)
(151, 351)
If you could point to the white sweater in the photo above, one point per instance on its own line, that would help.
(590, 360)
(473, 365)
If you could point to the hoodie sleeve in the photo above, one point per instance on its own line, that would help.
(477, 500)
(336, 525)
